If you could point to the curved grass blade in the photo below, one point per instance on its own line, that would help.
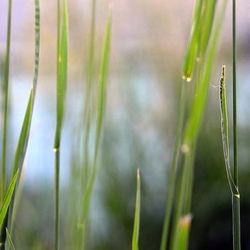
(7, 199)
(136, 229)
(9, 240)
(224, 131)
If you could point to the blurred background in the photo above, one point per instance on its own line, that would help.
(149, 39)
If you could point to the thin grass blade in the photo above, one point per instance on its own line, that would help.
(62, 70)
(9, 240)
(184, 228)
(8, 197)
(224, 131)
(198, 105)
(100, 113)
(136, 229)
(191, 54)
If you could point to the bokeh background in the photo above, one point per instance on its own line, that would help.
(148, 45)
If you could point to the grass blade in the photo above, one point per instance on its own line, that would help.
(7, 199)
(136, 229)
(6, 100)
(62, 69)
(184, 228)
(172, 175)
(101, 103)
(191, 55)
(225, 141)
(224, 132)
(200, 98)
(10, 242)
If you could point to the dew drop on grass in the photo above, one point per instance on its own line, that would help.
(185, 148)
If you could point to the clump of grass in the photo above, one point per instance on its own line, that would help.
(198, 64)
(25, 129)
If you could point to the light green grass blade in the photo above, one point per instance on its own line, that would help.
(224, 131)
(184, 228)
(62, 70)
(9, 240)
(191, 54)
(172, 172)
(198, 105)
(207, 23)
(101, 103)
(136, 229)
(8, 197)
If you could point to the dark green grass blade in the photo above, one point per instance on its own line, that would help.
(24, 136)
(8, 197)
(224, 131)
(9, 240)
(136, 229)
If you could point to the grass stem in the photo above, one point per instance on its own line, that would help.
(235, 198)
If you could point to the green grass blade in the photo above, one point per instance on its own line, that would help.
(8, 198)
(184, 228)
(207, 24)
(224, 131)
(198, 105)
(6, 100)
(100, 117)
(136, 229)
(24, 136)
(9, 240)
(191, 54)
(172, 175)
(62, 70)
(25, 130)
(88, 106)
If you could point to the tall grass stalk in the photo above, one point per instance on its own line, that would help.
(225, 141)
(136, 229)
(236, 199)
(6, 100)
(62, 69)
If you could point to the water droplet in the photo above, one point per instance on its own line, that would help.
(185, 148)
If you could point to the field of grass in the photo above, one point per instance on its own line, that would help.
(117, 183)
